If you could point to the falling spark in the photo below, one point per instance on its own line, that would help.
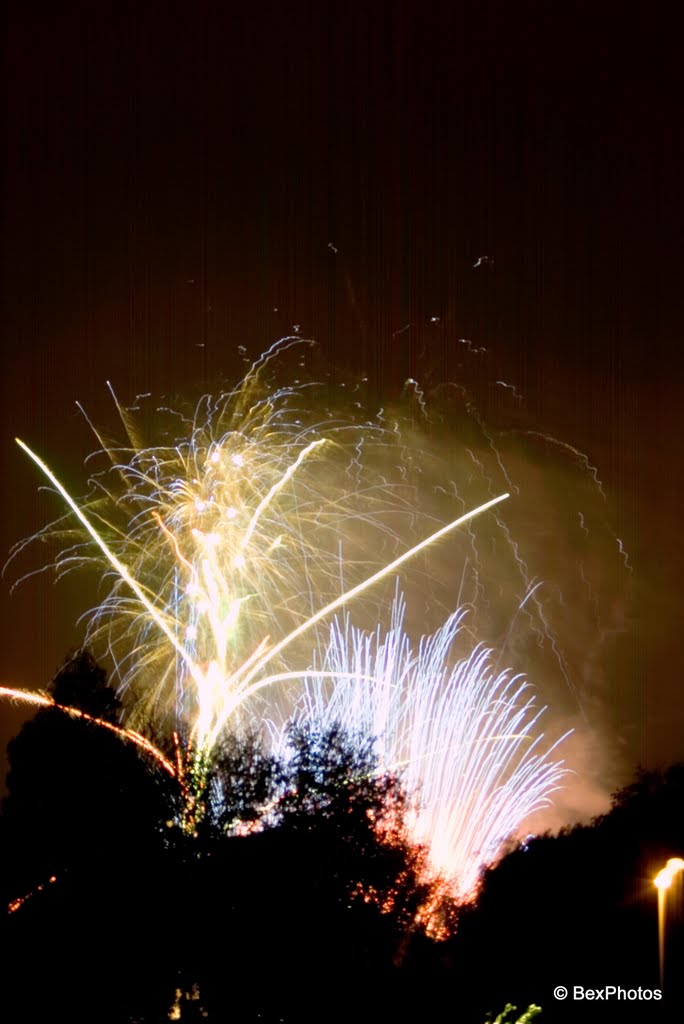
(463, 736)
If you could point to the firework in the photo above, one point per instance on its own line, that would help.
(223, 549)
(463, 736)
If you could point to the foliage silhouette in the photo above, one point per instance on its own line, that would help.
(77, 795)
(316, 906)
(85, 809)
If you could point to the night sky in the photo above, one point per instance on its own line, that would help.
(180, 180)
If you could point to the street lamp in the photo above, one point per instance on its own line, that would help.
(662, 881)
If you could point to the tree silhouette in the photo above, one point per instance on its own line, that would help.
(313, 909)
(85, 810)
(76, 793)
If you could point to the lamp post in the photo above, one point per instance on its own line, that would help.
(662, 881)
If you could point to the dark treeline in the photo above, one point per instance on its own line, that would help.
(312, 918)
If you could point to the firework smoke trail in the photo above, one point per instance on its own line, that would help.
(463, 736)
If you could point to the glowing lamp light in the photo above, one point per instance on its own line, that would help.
(665, 877)
(662, 881)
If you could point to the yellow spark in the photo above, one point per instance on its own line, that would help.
(110, 556)
(277, 486)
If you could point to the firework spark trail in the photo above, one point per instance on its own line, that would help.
(130, 735)
(463, 735)
(582, 457)
(239, 513)
(209, 498)
(220, 691)
(19, 901)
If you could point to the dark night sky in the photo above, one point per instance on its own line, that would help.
(172, 177)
